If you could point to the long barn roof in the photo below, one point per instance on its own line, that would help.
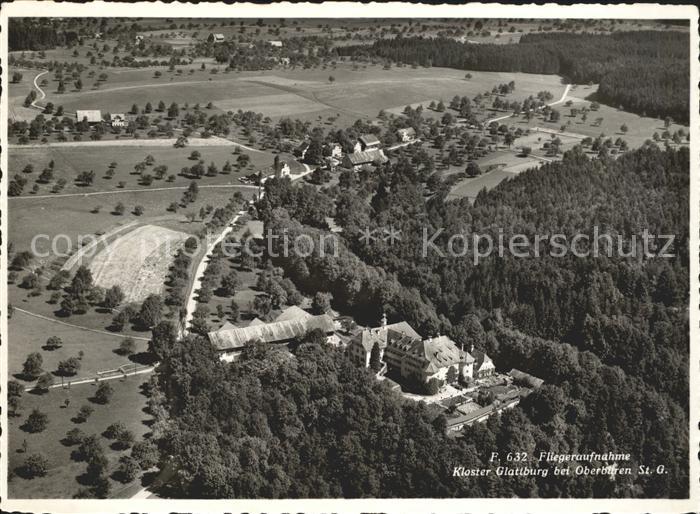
(274, 332)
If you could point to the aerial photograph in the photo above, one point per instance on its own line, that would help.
(264, 258)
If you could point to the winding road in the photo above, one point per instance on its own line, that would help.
(41, 91)
(561, 100)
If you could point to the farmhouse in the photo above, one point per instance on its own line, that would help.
(118, 120)
(356, 160)
(406, 135)
(91, 116)
(216, 38)
(367, 142)
(277, 44)
(290, 324)
(403, 350)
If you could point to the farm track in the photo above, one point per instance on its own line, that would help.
(308, 96)
(97, 193)
(148, 369)
(561, 100)
(41, 91)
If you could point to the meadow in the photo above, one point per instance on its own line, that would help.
(28, 334)
(69, 162)
(64, 475)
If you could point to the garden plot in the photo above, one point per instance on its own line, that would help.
(138, 262)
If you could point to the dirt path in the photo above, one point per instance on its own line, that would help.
(41, 91)
(191, 304)
(92, 380)
(561, 100)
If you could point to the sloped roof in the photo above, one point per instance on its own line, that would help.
(404, 329)
(116, 116)
(275, 332)
(369, 139)
(293, 312)
(367, 338)
(92, 116)
(227, 326)
(439, 352)
(410, 131)
(436, 353)
(369, 156)
(254, 322)
(482, 360)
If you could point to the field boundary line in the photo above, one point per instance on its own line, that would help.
(104, 332)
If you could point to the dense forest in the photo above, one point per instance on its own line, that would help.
(643, 71)
(630, 311)
(37, 34)
(609, 335)
(311, 424)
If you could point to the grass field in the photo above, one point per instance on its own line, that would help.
(62, 479)
(137, 261)
(298, 92)
(28, 334)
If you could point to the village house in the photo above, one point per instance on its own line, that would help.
(357, 160)
(403, 350)
(118, 120)
(293, 322)
(91, 116)
(366, 142)
(406, 135)
(216, 38)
